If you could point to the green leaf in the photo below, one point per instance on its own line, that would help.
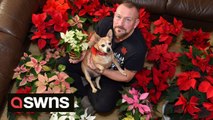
(211, 61)
(123, 107)
(69, 80)
(172, 93)
(46, 68)
(61, 67)
(137, 115)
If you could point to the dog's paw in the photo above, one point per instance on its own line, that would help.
(123, 72)
(98, 86)
(94, 90)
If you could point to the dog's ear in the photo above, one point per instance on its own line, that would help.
(109, 34)
(96, 37)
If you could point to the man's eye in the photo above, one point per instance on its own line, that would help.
(118, 17)
(128, 20)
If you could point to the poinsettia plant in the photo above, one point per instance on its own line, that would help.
(134, 105)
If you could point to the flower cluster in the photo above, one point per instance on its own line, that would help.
(134, 105)
(77, 115)
(74, 41)
(42, 74)
(179, 70)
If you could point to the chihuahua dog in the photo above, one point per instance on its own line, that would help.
(102, 56)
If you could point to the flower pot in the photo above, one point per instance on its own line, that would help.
(74, 56)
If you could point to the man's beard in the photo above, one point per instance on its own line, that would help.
(120, 35)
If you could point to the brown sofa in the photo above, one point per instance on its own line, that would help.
(15, 21)
(194, 13)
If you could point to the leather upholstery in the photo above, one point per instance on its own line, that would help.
(14, 26)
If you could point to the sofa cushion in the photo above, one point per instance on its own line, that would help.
(194, 9)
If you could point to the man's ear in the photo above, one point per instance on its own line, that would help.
(109, 34)
(136, 22)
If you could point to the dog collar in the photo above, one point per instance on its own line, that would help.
(95, 51)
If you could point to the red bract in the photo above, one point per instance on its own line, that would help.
(59, 23)
(60, 6)
(144, 19)
(23, 90)
(178, 26)
(39, 20)
(80, 3)
(149, 37)
(202, 63)
(160, 79)
(198, 38)
(156, 52)
(166, 30)
(190, 107)
(207, 88)
(169, 62)
(143, 78)
(154, 95)
(208, 106)
(101, 13)
(187, 80)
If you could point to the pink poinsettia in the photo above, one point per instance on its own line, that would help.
(43, 83)
(135, 101)
(36, 64)
(27, 78)
(18, 70)
(60, 84)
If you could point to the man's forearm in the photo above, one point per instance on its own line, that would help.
(116, 75)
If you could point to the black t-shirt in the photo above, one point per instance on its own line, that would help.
(131, 52)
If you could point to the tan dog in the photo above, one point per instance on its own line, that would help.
(102, 57)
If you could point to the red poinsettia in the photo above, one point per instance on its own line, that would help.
(187, 80)
(24, 90)
(156, 52)
(166, 29)
(188, 107)
(206, 87)
(101, 13)
(143, 78)
(198, 38)
(169, 62)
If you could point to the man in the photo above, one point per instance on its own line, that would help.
(129, 49)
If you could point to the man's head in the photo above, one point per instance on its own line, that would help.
(125, 20)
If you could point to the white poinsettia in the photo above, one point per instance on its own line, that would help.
(68, 37)
(74, 40)
(85, 116)
(64, 115)
(79, 34)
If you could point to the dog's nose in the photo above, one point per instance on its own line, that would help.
(108, 49)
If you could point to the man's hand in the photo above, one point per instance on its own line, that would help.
(79, 60)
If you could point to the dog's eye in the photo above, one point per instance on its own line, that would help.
(102, 45)
(109, 43)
